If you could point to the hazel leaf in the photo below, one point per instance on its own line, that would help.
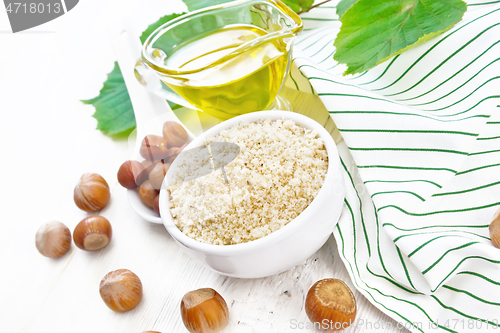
(374, 30)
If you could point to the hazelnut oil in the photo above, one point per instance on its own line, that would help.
(233, 68)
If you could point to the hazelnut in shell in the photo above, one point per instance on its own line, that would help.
(204, 311)
(331, 304)
(174, 134)
(121, 290)
(147, 193)
(92, 233)
(53, 239)
(154, 147)
(91, 192)
(131, 174)
(495, 229)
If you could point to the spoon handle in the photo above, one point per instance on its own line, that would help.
(150, 110)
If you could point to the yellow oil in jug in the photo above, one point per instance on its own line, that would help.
(224, 85)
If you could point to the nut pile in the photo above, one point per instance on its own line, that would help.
(158, 153)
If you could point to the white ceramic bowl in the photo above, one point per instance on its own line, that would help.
(286, 247)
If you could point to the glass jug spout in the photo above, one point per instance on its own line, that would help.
(225, 60)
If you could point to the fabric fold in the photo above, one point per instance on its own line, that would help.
(421, 155)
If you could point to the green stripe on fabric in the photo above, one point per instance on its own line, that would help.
(359, 96)
(444, 254)
(433, 150)
(325, 79)
(463, 314)
(366, 235)
(360, 207)
(460, 86)
(433, 47)
(471, 295)
(468, 190)
(430, 241)
(378, 242)
(323, 47)
(408, 290)
(478, 168)
(357, 76)
(484, 152)
(364, 229)
(438, 226)
(480, 276)
(383, 73)
(314, 43)
(441, 231)
(406, 131)
(391, 192)
(328, 57)
(389, 296)
(441, 211)
(405, 268)
(490, 138)
(446, 60)
(310, 85)
(451, 77)
(463, 99)
(411, 114)
(402, 181)
(461, 261)
(354, 230)
(294, 82)
(404, 168)
(482, 3)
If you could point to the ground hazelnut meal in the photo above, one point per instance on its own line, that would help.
(278, 172)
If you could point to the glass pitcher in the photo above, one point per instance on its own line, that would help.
(224, 60)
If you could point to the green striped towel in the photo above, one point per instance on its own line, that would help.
(421, 159)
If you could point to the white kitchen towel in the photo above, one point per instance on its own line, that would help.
(421, 157)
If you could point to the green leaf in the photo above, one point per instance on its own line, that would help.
(343, 6)
(374, 30)
(157, 24)
(114, 113)
(198, 4)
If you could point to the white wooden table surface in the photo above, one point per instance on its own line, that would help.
(49, 139)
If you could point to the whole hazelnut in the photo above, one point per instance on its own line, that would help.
(154, 147)
(91, 192)
(121, 290)
(92, 233)
(53, 239)
(158, 173)
(174, 134)
(147, 193)
(131, 174)
(204, 311)
(331, 301)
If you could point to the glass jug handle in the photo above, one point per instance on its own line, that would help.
(151, 81)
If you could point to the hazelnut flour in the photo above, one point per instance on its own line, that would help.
(279, 170)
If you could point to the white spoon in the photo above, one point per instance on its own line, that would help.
(150, 110)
